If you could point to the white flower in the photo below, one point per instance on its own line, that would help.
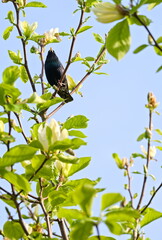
(49, 133)
(152, 151)
(107, 12)
(51, 36)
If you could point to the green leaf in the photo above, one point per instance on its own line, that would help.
(7, 32)
(35, 98)
(35, 4)
(7, 199)
(77, 143)
(77, 133)
(49, 103)
(145, 20)
(17, 154)
(98, 38)
(83, 196)
(158, 131)
(13, 230)
(61, 145)
(70, 214)
(119, 40)
(23, 74)
(114, 227)
(57, 197)
(101, 238)
(67, 158)
(135, 155)
(78, 121)
(10, 75)
(10, 16)
(19, 181)
(15, 57)
(84, 28)
(118, 160)
(141, 137)
(159, 69)
(159, 147)
(81, 230)
(109, 199)
(140, 48)
(150, 216)
(123, 214)
(158, 51)
(83, 162)
(8, 91)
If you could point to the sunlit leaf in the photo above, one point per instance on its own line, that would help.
(13, 230)
(17, 154)
(35, 4)
(84, 28)
(140, 48)
(78, 121)
(7, 32)
(150, 216)
(119, 40)
(109, 199)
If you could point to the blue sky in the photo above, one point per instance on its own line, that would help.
(114, 104)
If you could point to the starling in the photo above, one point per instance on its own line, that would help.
(54, 70)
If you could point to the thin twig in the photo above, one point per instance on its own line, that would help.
(147, 29)
(77, 86)
(62, 229)
(98, 232)
(4, 190)
(129, 185)
(147, 162)
(19, 121)
(23, 44)
(18, 211)
(42, 69)
(65, 222)
(9, 129)
(72, 45)
(49, 229)
(153, 195)
(34, 174)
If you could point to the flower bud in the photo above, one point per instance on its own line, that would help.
(148, 133)
(152, 103)
(49, 133)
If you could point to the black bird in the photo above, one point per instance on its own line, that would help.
(54, 70)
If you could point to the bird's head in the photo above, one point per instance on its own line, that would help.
(51, 53)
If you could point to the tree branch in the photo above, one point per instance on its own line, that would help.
(147, 29)
(42, 69)
(147, 162)
(153, 195)
(23, 44)
(62, 229)
(49, 229)
(129, 185)
(18, 119)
